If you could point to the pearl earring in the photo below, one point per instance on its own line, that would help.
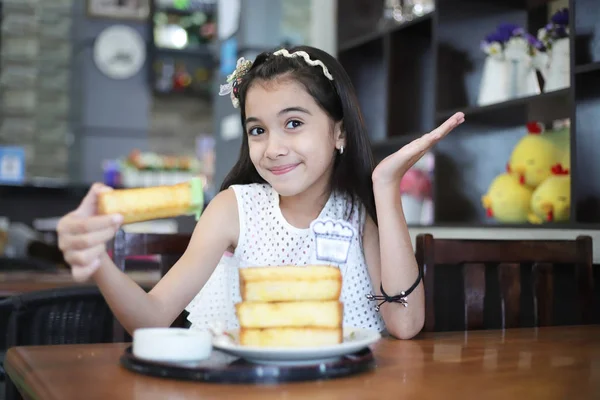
(341, 149)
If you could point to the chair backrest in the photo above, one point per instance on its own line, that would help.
(6, 307)
(508, 256)
(169, 246)
(68, 315)
(72, 315)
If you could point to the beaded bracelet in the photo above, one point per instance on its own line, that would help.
(400, 298)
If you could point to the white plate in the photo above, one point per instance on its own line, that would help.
(355, 339)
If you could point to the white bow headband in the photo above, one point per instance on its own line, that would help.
(243, 66)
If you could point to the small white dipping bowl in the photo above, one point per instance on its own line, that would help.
(171, 344)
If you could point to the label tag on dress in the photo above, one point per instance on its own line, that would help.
(332, 240)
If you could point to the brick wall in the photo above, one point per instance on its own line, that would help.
(175, 123)
(34, 82)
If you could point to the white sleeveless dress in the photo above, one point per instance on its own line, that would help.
(267, 239)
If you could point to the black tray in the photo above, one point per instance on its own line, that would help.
(225, 368)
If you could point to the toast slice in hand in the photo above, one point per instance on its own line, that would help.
(144, 204)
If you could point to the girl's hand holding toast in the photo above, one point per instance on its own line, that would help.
(82, 234)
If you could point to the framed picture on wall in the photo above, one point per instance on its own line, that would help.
(119, 9)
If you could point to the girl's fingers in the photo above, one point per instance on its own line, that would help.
(411, 153)
(89, 203)
(86, 240)
(448, 125)
(82, 274)
(77, 225)
(395, 165)
(82, 258)
(421, 145)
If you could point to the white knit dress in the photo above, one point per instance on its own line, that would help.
(267, 239)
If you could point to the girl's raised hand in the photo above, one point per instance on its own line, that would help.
(82, 234)
(391, 170)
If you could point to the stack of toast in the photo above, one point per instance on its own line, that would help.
(290, 306)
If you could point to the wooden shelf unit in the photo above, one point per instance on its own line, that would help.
(410, 77)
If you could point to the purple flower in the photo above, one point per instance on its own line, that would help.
(533, 41)
(561, 17)
(507, 27)
(506, 31)
(496, 36)
(560, 32)
(518, 32)
(493, 37)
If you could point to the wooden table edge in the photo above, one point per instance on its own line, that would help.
(15, 366)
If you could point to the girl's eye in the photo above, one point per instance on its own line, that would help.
(293, 124)
(256, 131)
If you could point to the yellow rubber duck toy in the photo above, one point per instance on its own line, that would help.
(533, 157)
(551, 200)
(507, 200)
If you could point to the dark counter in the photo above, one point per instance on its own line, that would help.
(24, 203)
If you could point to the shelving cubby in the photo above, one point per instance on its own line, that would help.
(411, 77)
(372, 55)
(586, 108)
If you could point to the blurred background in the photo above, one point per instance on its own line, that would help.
(126, 92)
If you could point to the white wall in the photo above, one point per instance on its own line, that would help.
(323, 34)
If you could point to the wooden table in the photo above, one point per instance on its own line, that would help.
(14, 282)
(544, 363)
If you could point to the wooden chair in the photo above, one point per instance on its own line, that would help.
(508, 256)
(170, 247)
(71, 315)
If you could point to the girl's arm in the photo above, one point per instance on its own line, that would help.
(216, 231)
(390, 258)
(388, 248)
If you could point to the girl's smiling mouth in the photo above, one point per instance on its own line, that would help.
(283, 169)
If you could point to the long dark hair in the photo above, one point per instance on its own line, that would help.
(352, 169)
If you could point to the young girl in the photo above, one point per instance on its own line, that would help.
(303, 191)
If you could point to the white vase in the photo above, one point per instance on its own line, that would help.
(523, 79)
(413, 208)
(557, 76)
(494, 87)
(427, 213)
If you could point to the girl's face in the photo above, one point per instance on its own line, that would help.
(292, 141)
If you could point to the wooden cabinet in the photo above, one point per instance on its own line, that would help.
(412, 76)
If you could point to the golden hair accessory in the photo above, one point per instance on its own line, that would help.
(234, 79)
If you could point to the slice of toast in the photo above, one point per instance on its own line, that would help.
(290, 337)
(142, 204)
(321, 314)
(290, 283)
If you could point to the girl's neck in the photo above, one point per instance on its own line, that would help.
(300, 210)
